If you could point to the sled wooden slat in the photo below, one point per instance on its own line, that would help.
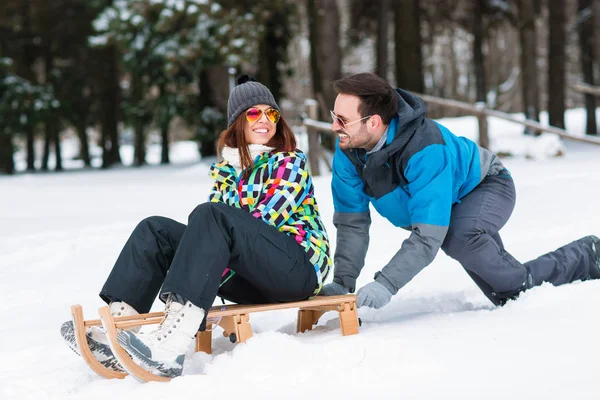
(124, 359)
(84, 350)
(330, 302)
(136, 318)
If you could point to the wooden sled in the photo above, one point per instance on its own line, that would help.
(234, 319)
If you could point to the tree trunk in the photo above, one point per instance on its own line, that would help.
(528, 38)
(55, 132)
(164, 132)
(329, 53)
(314, 38)
(30, 139)
(325, 57)
(163, 122)
(478, 59)
(114, 95)
(408, 52)
(139, 151)
(52, 123)
(556, 63)
(207, 143)
(104, 144)
(479, 68)
(596, 10)
(7, 163)
(52, 139)
(24, 63)
(110, 93)
(46, 152)
(454, 62)
(84, 151)
(382, 38)
(48, 134)
(329, 62)
(269, 73)
(137, 96)
(586, 36)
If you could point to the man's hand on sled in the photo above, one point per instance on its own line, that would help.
(373, 295)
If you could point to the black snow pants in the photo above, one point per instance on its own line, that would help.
(190, 261)
(473, 240)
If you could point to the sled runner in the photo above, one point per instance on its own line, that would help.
(234, 319)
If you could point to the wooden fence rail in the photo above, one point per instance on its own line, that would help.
(586, 88)
(313, 126)
(487, 112)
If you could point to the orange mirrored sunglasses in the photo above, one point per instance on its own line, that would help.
(254, 114)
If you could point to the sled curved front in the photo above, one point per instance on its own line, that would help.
(119, 352)
(84, 350)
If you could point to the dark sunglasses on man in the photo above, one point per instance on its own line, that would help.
(343, 123)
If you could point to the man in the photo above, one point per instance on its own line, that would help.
(449, 192)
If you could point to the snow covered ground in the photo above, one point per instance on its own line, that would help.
(439, 338)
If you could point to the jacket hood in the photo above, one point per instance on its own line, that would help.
(411, 110)
(411, 114)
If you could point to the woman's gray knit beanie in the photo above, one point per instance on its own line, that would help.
(246, 94)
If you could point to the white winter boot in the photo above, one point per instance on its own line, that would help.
(96, 337)
(162, 351)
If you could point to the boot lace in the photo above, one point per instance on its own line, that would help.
(174, 313)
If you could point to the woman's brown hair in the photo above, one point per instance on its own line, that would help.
(283, 140)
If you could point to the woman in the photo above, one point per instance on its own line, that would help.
(259, 239)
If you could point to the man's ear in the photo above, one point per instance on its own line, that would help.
(375, 122)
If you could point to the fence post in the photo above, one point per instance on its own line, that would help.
(314, 147)
(484, 139)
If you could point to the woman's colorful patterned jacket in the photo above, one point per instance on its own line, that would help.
(278, 190)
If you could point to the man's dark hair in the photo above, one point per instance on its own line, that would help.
(375, 94)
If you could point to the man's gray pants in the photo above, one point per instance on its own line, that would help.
(473, 240)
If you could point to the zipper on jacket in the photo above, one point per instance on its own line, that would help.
(358, 158)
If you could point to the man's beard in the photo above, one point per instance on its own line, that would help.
(358, 140)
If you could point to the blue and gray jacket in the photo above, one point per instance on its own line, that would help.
(413, 181)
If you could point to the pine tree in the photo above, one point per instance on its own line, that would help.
(165, 46)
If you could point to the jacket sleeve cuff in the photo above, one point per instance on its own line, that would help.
(386, 283)
(346, 281)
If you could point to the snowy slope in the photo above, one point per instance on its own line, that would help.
(438, 338)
